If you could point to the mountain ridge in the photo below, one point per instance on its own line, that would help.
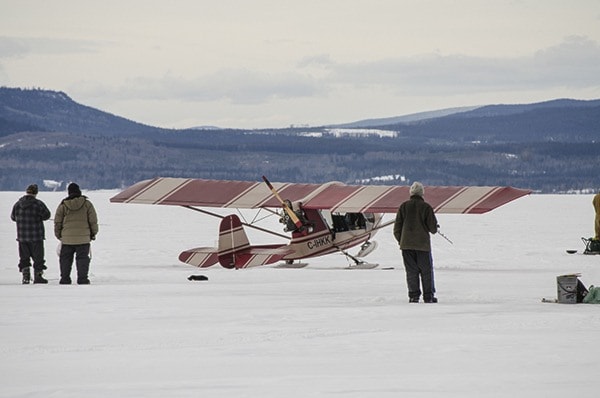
(56, 111)
(47, 110)
(549, 147)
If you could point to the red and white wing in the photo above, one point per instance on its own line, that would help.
(334, 196)
(387, 199)
(203, 193)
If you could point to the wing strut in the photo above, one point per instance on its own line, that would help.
(243, 223)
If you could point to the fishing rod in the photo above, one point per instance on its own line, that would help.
(444, 236)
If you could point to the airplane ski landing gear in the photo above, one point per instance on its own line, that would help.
(366, 249)
(291, 264)
(363, 265)
(358, 264)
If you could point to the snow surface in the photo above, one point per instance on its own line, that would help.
(143, 330)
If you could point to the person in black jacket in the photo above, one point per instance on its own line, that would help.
(415, 220)
(30, 213)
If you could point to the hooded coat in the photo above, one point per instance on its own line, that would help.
(30, 213)
(75, 221)
(415, 219)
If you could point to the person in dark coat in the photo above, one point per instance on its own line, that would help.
(415, 220)
(30, 213)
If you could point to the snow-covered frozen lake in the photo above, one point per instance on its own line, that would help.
(143, 330)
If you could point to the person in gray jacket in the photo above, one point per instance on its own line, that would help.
(75, 225)
(415, 220)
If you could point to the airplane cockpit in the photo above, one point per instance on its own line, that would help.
(342, 222)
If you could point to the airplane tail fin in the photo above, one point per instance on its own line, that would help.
(235, 251)
(232, 241)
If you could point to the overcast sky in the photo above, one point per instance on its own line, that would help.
(272, 63)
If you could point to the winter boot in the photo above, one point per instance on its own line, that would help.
(83, 269)
(26, 275)
(39, 277)
(65, 273)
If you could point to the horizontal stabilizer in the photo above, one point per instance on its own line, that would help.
(254, 256)
(200, 257)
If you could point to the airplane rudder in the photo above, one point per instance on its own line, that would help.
(233, 241)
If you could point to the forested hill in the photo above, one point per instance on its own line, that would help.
(550, 146)
(44, 110)
(557, 120)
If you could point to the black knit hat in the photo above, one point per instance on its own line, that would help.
(32, 189)
(73, 189)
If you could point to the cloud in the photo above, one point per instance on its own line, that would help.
(572, 63)
(23, 46)
(315, 60)
(575, 61)
(239, 86)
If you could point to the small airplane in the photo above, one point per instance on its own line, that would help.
(321, 218)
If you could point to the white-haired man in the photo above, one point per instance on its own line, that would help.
(415, 220)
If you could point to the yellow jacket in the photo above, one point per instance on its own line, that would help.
(596, 203)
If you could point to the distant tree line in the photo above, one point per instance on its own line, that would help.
(113, 162)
